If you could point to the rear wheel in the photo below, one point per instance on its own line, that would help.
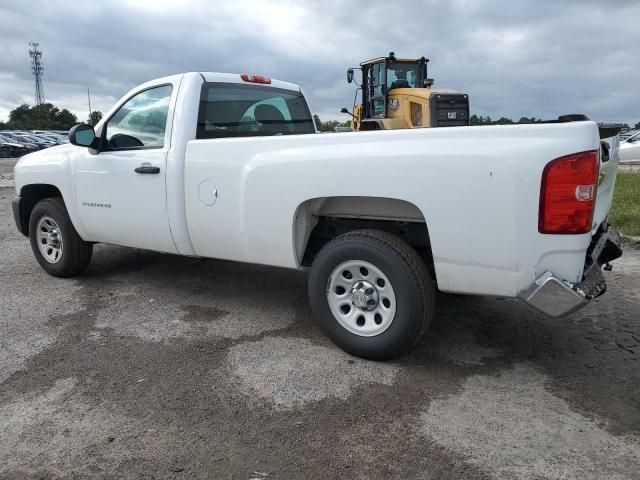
(55, 243)
(371, 293)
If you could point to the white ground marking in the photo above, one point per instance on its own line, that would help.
(512, 427)
(291, 372)
(24, 317)
(57, 432)
(160, 318)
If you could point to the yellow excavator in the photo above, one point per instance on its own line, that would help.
(397, 93)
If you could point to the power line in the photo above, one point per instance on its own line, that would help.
(37, 70)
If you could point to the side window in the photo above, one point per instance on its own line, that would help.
(141, 122)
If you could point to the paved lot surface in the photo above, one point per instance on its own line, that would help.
(155, 366)
(6, 171)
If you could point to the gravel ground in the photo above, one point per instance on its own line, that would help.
(156, 366)
(6, 171)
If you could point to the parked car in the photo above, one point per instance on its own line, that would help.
(17, 149)
(25, 138)
(5, 151)
(51, 135)
(39, 140)
(628, 133)
(630, 149)
(231, 167)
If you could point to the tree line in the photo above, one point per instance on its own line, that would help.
(480, 120)
(329, 126)
(45, 116)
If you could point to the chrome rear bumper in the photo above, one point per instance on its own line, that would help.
(558, 298)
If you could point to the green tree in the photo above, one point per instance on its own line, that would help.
(318, 122)
(65, 120)
(504, 121)
(95, 117)
(45, 116)
(19, 115)
(152, 119)
(637, 126)
(329, 126)
(480, 120)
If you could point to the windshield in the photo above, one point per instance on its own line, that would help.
(403, 75)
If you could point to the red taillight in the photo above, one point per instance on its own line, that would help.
(255, 78)
(568, 194)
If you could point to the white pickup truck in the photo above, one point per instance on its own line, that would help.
(231, 167)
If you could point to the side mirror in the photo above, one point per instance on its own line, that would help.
(350, 75)
(344, 110)
(83, 135)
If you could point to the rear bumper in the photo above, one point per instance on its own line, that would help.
(557, 298)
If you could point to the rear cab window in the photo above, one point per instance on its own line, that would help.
(244, 110)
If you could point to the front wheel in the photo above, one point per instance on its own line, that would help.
(371, 293)
(55, 243)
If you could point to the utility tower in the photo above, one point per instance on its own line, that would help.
(36, 68)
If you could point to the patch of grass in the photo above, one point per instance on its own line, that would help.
(625, 212)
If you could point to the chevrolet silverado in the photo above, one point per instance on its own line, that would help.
(231, 167)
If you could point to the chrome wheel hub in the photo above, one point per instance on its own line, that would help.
(364, 295)
(361, 298)
(53, 238)
(49, 239)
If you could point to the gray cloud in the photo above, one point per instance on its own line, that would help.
(513, 58)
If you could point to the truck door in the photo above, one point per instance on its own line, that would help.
(121, 191)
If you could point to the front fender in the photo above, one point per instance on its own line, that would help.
(53, 167)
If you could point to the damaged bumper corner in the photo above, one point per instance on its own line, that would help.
(557, 298)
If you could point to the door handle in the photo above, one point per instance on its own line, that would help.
(147, 168)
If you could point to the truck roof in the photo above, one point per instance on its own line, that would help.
(235, 78)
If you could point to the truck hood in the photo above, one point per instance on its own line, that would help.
(46, 155)
(50, 166)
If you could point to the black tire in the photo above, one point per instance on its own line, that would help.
(415, 292)
(76, 253)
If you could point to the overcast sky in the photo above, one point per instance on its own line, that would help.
(513, 58)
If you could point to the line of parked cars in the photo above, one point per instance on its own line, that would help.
(16, 143)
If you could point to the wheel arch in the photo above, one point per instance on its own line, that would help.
(320, 219)
(30, 195)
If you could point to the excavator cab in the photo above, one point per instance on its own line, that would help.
(397, 93)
